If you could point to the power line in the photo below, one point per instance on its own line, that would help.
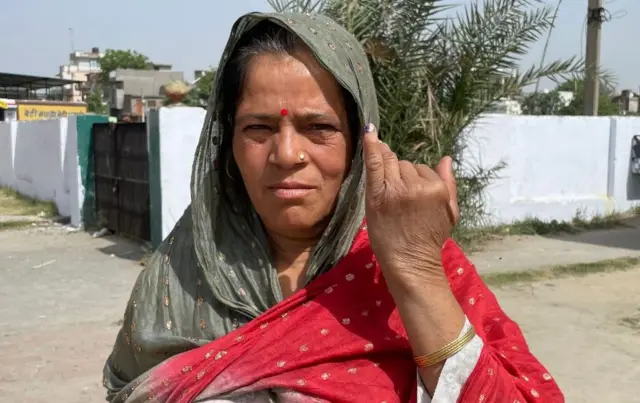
(607, 17)
(546, 44)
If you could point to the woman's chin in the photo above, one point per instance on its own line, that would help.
(295, 221)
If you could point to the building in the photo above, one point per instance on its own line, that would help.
(509, 104)
(627, 101)
(25, 97)
(131, 91)
(81, 66)
(161, 66)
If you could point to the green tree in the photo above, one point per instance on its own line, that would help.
(114, 59)
(541, 103)
(202, 89)
(606, 106)
(436, 74)
(95, 103)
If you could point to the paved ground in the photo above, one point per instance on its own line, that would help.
(62, 293)
(586, 331)
(520, 253)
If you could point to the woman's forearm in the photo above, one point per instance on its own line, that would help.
(431, 316)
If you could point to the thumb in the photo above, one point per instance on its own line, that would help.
(373, 161)
(444, 169)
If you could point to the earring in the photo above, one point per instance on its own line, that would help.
(301, 156)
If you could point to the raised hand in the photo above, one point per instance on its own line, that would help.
(410, 210)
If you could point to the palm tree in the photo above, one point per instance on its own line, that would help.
(435, 73)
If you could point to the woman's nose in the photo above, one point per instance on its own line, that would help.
(287, 148)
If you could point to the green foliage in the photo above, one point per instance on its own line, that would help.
(436, 74)
(551, 104)
(95, 103)
(202, 89)
(114, 59)
(606, 106)
(577, 85)
(541, 103)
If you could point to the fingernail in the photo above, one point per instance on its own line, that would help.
(369, 128)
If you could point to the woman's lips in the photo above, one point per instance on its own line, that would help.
(291, 190)
(291, 193)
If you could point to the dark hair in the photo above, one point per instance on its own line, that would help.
(265, 38)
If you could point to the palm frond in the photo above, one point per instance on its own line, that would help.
(436, 74)
(297, 6)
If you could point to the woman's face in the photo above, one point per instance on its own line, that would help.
(291, 142)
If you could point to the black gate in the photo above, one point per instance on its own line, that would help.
(122, 178)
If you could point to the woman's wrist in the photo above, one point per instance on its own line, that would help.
(430, 314)
(429, 309)
(415, 275)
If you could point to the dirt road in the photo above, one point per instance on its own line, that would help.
(586, 331)
(61, 295)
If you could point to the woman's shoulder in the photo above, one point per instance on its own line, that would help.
(173, 253)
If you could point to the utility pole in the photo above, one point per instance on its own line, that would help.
(595, 16)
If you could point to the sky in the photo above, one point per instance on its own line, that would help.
(191, 34)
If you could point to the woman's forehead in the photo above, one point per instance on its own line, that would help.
(297, 83)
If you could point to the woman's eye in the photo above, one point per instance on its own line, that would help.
(320, 127)
(257, 128)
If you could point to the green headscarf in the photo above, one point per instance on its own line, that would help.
(214, 272)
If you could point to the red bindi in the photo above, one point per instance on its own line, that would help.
(284, 112)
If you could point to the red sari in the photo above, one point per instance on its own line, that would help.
(341, 339)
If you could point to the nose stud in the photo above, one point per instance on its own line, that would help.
(301, 156)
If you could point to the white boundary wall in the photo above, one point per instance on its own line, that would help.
(40, 159)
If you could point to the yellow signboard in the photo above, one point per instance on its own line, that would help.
(51, 111)
(4, 105)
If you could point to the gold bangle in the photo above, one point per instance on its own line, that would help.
(447, 351)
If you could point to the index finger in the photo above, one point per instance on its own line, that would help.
(444, 169)
(373, 160)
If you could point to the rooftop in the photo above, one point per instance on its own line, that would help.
(22, 86)
(10, 80)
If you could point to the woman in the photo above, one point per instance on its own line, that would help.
(272, 288)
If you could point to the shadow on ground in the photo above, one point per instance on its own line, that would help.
(123, 248)
(627, 236)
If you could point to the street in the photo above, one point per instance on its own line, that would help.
(63, 293)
